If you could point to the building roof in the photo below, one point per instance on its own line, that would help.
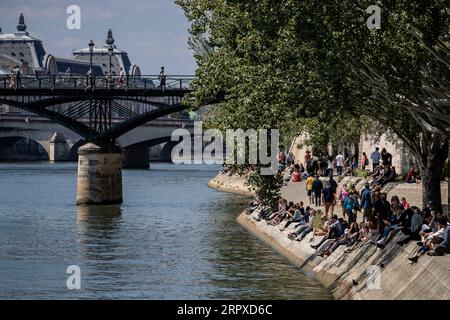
(77, 67)
(40, 60)
(17, 36)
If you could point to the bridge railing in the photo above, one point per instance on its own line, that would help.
(143, 82)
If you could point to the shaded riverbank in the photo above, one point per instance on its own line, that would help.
(346, 274)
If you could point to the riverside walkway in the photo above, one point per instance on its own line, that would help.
(296, 191)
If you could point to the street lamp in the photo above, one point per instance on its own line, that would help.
(110, 53)
(91, 50)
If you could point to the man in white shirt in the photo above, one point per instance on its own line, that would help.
(339, 163)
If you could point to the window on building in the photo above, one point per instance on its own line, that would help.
(21, 54)
(13, 54)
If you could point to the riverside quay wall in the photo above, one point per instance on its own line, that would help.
(350, 275)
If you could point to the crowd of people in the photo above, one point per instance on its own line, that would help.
(381, 173)
(380, 219)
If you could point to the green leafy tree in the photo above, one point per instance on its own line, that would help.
(277, 64)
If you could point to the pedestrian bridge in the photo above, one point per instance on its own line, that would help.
(99, 109)
(102, 113)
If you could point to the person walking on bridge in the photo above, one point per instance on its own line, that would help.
(18, 74)
(162, 79)
(12, 79)
(121, 76)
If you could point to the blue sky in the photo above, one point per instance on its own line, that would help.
(153, 32)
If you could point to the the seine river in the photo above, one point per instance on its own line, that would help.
(172, 238)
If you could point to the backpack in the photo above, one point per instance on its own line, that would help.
(357, 206)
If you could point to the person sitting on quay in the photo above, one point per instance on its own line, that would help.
(395, 223)
(404, 203)
(412, 226)
(378, 172)
(382, 210)
(381, 223)
(379, 176)
(429, 225)
(411, 176)
(334, 231)
(444, 246)
(316, 221)
(287, 174)
(305, 222)
(350, 237)
(305, 175)
(256, 203)
(276, 217)
(389, 176)
(395, 201)
(296, 176)
(264, 212)
(436, 243)
(298, 216)
(371, 229)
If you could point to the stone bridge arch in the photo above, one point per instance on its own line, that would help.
(17, 148)
(54, 143)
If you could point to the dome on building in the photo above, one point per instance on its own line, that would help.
(109, 38)
(21, 27)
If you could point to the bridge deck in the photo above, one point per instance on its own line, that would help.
(96, 91)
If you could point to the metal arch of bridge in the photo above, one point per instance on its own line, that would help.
(97, 104)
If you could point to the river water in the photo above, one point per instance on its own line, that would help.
(172, 238)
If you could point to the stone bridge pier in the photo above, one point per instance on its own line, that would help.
(58, 149)
(99, 179)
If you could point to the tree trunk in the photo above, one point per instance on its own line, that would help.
(448, 181)
(431, 185)
(432, 168)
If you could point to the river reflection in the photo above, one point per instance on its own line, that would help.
(98, 227)
(172, 238)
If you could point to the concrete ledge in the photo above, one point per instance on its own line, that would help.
(232, 184)
(346, 274)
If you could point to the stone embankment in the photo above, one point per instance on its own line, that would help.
(350, 275)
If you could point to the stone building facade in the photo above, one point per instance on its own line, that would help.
(402, 158)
